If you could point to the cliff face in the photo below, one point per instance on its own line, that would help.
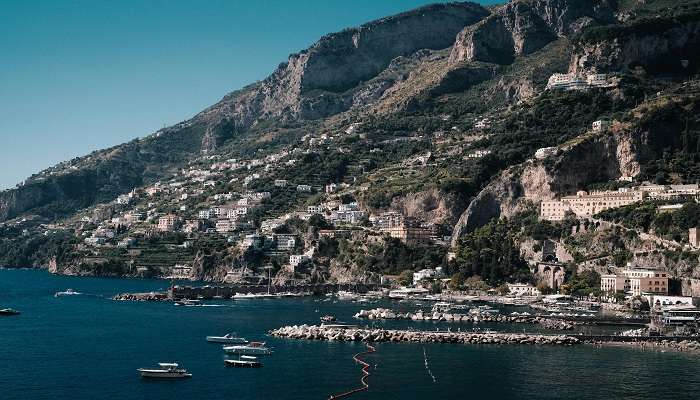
(656, 46)
(594, 159)
(317, 82)
(524, 26)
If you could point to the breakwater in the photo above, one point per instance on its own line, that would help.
(149, 296)
(316, 332)
(546, 322)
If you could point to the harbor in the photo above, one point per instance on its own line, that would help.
(53, 325)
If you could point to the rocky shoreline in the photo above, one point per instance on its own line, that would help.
(351, 334)
(547, 323)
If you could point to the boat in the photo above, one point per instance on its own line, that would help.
(229, 338)
(188, 302)
(346, 295)
(328, 318)
(250, 348)
(67, 292)
(8, 312)
(166, 370)
(244, 362)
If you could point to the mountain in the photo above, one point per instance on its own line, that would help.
(435, 114)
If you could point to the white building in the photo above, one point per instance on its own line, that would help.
(296, 259)
(280, 183)
(428, 273)
(601, 125)
(523, 289)
(303, 188)
(314, 209)
(566, 82)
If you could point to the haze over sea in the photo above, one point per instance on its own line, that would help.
(88, 347)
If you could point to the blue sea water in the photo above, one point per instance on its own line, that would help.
(88, 347)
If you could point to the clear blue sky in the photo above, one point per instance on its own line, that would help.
(80, 75)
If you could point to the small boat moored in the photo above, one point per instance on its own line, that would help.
(8, 311)
(67, 292)
(166, 370)
(244, 362)
(328, 318)
(257, 348)
(230, 338)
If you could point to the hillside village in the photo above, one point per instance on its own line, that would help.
(551, 171)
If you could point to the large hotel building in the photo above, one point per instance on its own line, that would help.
(585, 205)
(636, 281)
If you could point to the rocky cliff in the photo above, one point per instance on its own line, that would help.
(317, 82)
(592, 158)
(660, 46)
(524, 26)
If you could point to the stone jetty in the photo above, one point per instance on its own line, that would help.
(149, 296)
(316, 332)
(548, 323)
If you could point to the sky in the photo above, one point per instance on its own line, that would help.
(81, 75)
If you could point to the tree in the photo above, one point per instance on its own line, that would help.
(406, 277)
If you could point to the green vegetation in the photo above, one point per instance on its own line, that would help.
(490, 252)
(645, 216)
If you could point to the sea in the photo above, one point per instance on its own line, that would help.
(88, 347)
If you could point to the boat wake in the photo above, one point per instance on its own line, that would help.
(427, 367)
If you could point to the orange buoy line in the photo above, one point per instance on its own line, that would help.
(365, 374)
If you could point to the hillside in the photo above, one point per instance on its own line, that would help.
(394, 146)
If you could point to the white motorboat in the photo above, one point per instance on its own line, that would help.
(166, 370)
(257, 348)
(244, 362)
(67, 292)
(346, 295)
(229, 338)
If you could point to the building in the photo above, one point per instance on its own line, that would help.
(314, 209)
(296, 259)
(601, 125)
(331, 187)
(566, 82)
(347, 217)
(522, 289)
(334, 233)
(693, 237)
(428, 273)
(133, 217)
(285, 242)
(126, 242)
(413, 234)
(635, 282)
(167, 223)
(584, 204)
(225, 226)
(387, 220)
(597, 80)
(303, 188)
(668, 208)
(478, 153)
(655, 300)
(270, 225)
(349, 207)
(253, 240)
(280, 183)
(545, 152)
